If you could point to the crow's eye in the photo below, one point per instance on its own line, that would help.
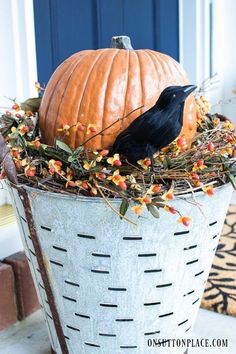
(174, 96)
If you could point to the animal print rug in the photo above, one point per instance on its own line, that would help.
(220, 291)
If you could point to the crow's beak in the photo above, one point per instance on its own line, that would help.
(189, 88)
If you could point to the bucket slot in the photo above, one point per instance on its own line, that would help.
(101, 255)
(59, 248)
(71, 283)
(151, 303)
(189, 293)
(117, 289)
(69, 298)
(86, 236)
(80, 315)
(73, 328)
(181, 233)
(194, 302)
(107, 335)
(151, 333)
(166, 314)
(92, 344)
(213, 223)
(152, 270)
(100, 271)
(190, 247)
(164, 285)
(132, 238)
(46, 228)
(147, 255)
(181, 323)
(56, 263)
(193, 261)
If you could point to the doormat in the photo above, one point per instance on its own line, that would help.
(220, 291)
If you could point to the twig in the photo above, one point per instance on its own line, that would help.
(110, 205)
(109, 126)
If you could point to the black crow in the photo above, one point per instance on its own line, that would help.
(156, 128)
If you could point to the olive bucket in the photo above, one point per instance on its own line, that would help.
(107, 286)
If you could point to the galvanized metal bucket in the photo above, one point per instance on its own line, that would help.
(109, 287)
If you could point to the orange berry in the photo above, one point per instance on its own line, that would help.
(195, 176)
(71, 184)
(15, 106)
(172, 210)
(123, 185)
(147, 200)
(37, 144)
(80, 127)
(117, 177)
(93, 129)
(84, 185)
(210, 147)
(104, 153)
(58, 163)
(17, 164)
(156, 188)
(147, 162)
(30, 171)
(228, 138)
(186, 220)
(181, 143)
(200, 163)
(101, 175)
(117, 163)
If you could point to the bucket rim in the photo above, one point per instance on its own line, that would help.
(82, 198)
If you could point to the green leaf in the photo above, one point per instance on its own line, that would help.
(31, 104)
(158, 200)
(78, 151)
(153, 210)
(167, 163)
(63, 146)
(124, 207)
(232, 179)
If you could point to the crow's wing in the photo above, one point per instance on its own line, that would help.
(140, 127)
(152, 128)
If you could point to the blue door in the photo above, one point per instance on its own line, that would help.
(64, 27)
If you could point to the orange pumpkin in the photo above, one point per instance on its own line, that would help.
(99, 86)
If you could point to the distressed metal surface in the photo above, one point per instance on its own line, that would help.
(115, 284)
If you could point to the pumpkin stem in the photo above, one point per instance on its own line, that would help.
(121, 42)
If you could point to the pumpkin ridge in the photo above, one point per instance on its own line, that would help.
(88, 79)
(63, 95)
(164, 69)
(154, 61)
(157, 62)
(126, 90)
(58, 71)
(107, 85)
(96, 58)
(73, 137)
(141, 82)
